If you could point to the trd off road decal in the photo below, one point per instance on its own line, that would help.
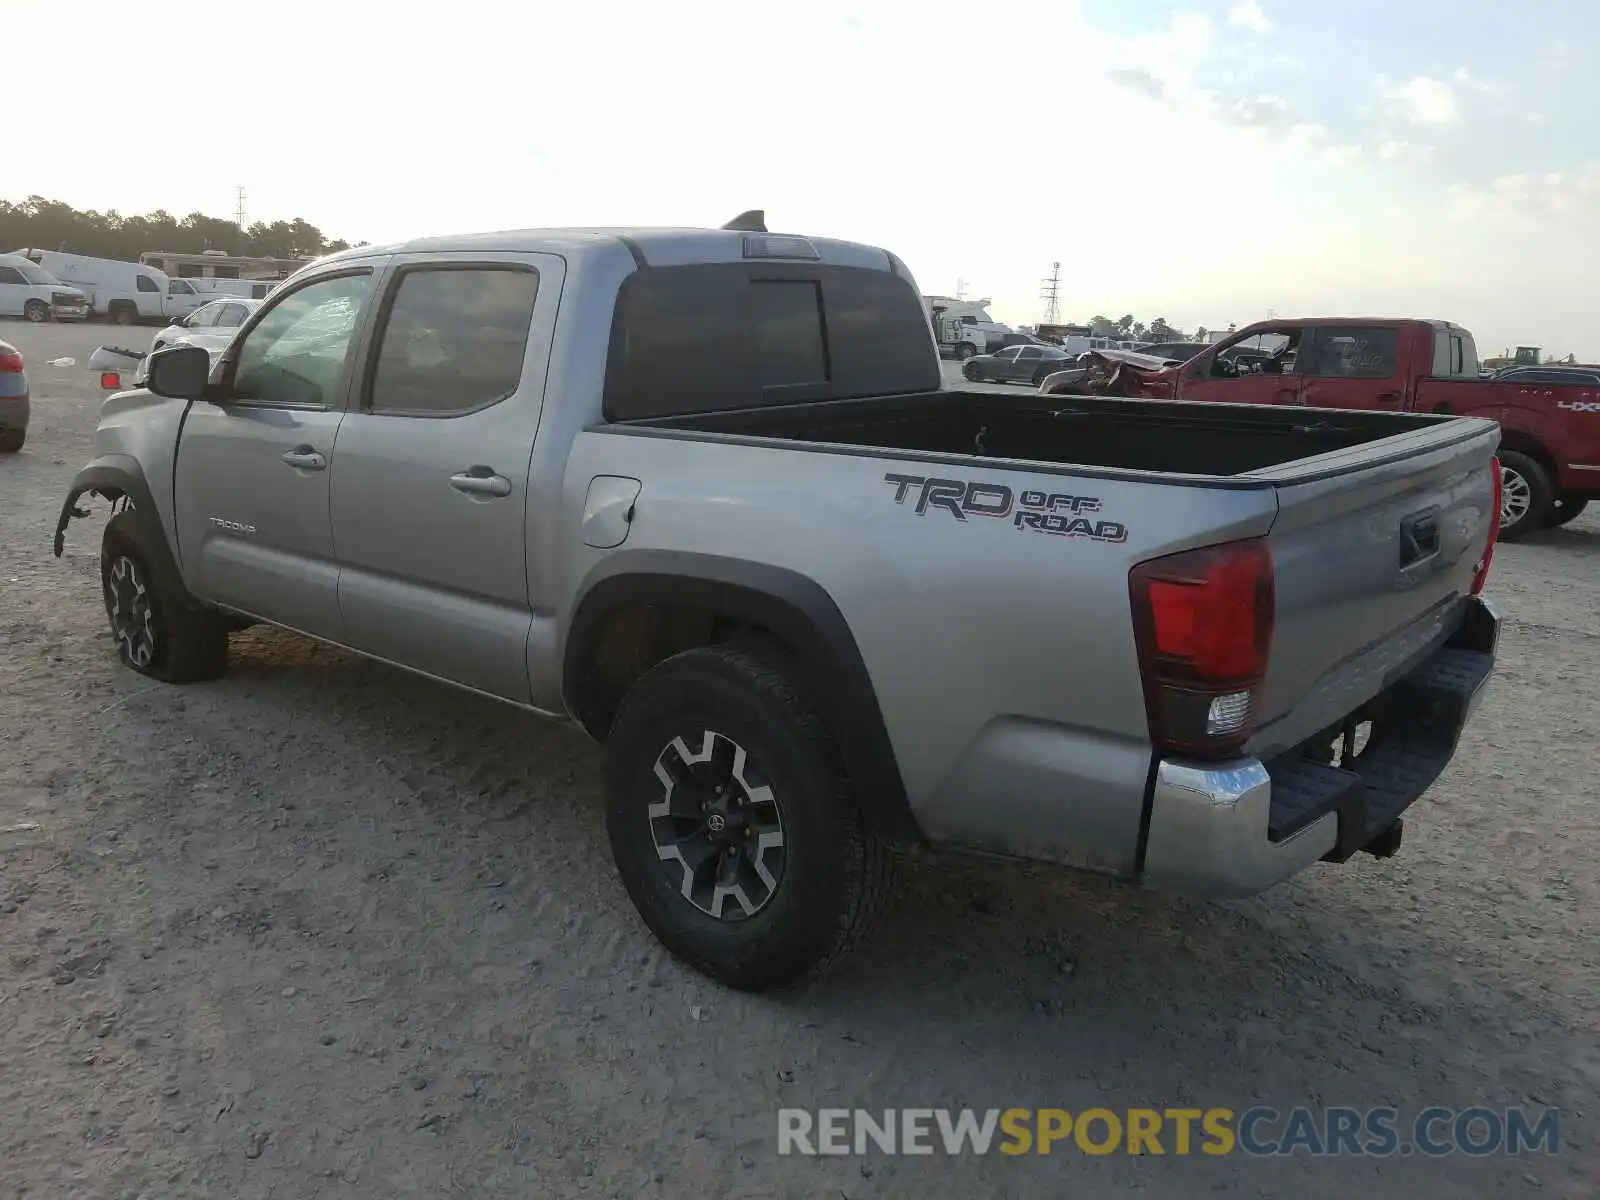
(1042, 512)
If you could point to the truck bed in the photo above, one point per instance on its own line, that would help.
(1117, 434)
(1377, 520)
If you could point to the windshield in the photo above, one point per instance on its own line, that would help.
(34, 273)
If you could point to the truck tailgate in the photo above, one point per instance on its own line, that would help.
(1374, 550)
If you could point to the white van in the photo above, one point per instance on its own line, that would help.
(28, 290)
(125, 292)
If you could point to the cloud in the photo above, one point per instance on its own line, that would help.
(1138, 79)
(1260, 112)
(1534, 200)
(1426, 101)
(1468, 80)
(1247, 14)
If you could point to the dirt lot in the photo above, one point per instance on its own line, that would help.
(320, 928)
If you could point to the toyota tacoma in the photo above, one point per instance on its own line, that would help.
(700, 493)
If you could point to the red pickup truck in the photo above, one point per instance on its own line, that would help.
(1549, 431)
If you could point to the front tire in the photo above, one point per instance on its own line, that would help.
(1525, 495)
(156, 632)
(965, 351)
(970, 374)
(732, 824)
(36, 311)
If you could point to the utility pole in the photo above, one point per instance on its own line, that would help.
(239, 191)
(1052, 290)
(961, 288)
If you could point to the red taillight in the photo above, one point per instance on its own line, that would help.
(1202, 620)
(10, 362)
(110, 380)
(1481, 575)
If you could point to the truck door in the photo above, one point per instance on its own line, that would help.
(1357, 366)
(1268, 377)
(251, 484)
(430, 489)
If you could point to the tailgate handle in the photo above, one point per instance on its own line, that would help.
(1419, 538)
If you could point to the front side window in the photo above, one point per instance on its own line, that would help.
(177, 287)
(296, 354)
(454, 339)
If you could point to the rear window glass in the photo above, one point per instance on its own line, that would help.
(788, 327)
(715, 336)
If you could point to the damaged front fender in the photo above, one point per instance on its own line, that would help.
(111, 477)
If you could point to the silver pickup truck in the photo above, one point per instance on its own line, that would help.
(700, 492)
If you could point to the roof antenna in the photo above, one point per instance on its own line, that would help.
(753, 221)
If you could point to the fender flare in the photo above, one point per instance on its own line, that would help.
(795, 608)
(110, 476)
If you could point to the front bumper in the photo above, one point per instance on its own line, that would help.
(70, 312)
(1236, 829)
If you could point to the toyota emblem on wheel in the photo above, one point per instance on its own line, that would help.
(715, 822)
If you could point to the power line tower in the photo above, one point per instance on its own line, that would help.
(1051, 294)
(239, 192)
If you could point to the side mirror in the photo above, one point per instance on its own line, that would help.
(179, 372)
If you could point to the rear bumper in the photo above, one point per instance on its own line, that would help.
(1236, 829)
(14, 411)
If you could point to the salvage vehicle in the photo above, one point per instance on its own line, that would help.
(124, 292)
(14, 405)
(1550, 428)
(32, 293)
(820, 612)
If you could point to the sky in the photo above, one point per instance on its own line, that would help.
(1206, 161)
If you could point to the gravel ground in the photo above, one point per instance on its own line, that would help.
(320, 928)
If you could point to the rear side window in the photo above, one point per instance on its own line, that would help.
(11, 275)
(716, 336)
(453, 340)
(144, 283)
(1353, 353)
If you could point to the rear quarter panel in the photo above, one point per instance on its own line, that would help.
(1002, 657)
(1562, 419)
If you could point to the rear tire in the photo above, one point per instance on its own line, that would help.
(1525, 495)
(157, 630)
(1564, 509)
(732, 823)
(122, 314)
(12, 440)
(36, 311)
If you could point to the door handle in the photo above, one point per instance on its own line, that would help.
(1388, 397)
(307, 458)
(481, 481)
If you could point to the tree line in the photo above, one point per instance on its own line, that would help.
(44, 224)
(1128, 329)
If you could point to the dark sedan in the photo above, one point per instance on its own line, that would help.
(13, 400)
(1017, 364)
